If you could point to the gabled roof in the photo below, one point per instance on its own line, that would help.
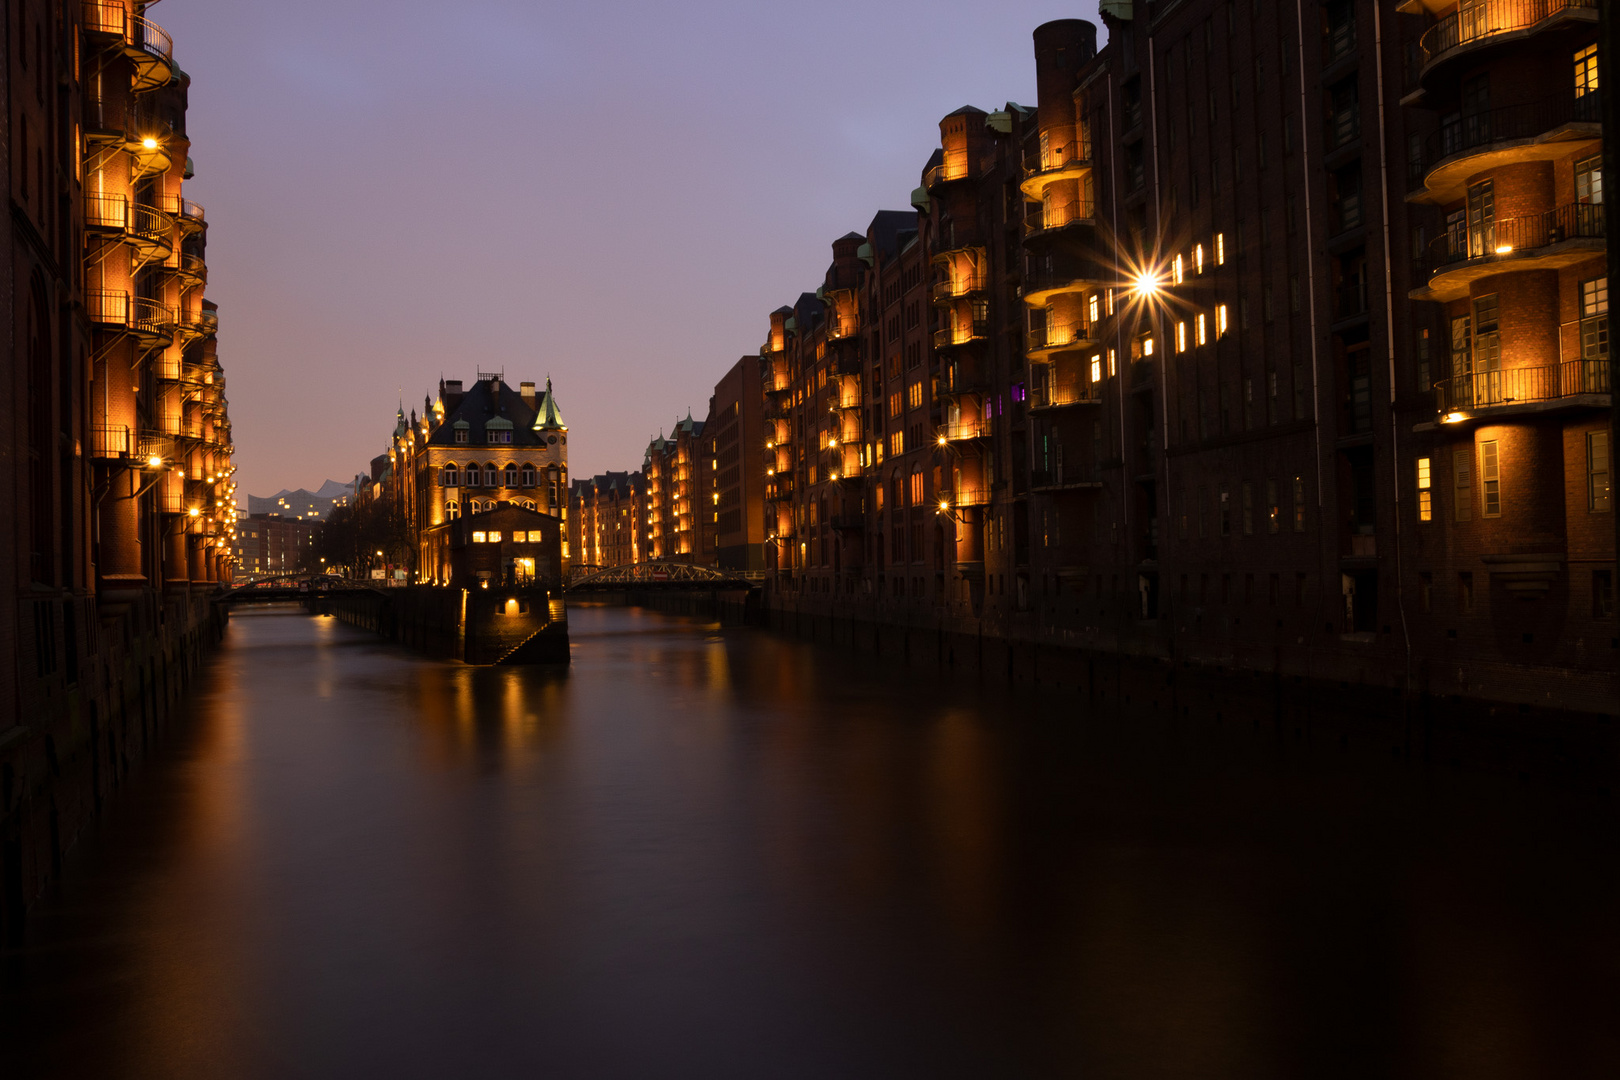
(491, 405)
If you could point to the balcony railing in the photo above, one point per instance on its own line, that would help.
(1059, 336)
(1488, 18)
(1489, 389)
(109, 441)
(191, 215)
(1079, 212)
(150, 226)
(106, 307)
(962, 333)
(945, 172)
(151, 317)
(1057, 158)
(1505, 237)
(964, 429)
(106, 212)
(949, 289)
(1509, 123)
(1060, 395)
(966, 496)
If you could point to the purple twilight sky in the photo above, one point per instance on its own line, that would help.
(614, 194)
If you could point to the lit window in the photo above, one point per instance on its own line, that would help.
(1490, 475)
(1425, 483)
(480, 537)
(1093, 307)
(1597, 470)
(494, 536)
(1198, 257)
(1111, 355)
(1220, 249)
(1203, 330)
(1096, 369)
(1220, 320)
(1181, 336)
(1147, 346)
(1110, 301)
(1177, 271)
(1586, 72)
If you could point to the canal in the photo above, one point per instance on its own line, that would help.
(706, 852)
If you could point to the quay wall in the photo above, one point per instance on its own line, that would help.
(104, 688)
(514, 624)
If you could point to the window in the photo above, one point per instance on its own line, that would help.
(1178, 272)
(1586, 80)
(1589, 181)
(471, 477)
(1462, 480)
(1203, 330)
(1425, 483)
(1220, 249)
(916, 485)
(491, 475)
(1092, 307)
(1299, 504)
(480, 537)
(528, 475)
(452, 476)
(461, 435)
(1481, 219)
(1248, 508)
(495, 536)
(1597, 471)
(1490, 476)
(1198, 258)
(1594, 335)
(1424, 375)
(1181, 335)
(1096, 369)
(451, 510)
(915, 395)
(1273, 508)
(1602, 594)
(1344, 120)
(511, 477)
(1220, 320)
(1111, 356)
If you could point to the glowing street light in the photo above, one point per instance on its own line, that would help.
(1147, 285)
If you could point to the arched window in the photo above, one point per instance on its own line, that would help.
(471, 478)
(511, 475)
(452, 475)
(491, 475)
(529, 504)
(896, 492)
(528, 475)
(551, 486)
(451, 510)
(916, 484)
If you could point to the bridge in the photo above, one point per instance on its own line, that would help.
(660, 575)
(267, 588)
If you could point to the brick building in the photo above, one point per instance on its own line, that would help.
(115, 424)
(473, 449)
(732, 434)
(272, 544)
(607, 520)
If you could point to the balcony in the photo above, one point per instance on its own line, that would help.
(963, 333)
(1039, 224)
(947, 172)
(1060, 163)
(147, 44)
(1042, 283)
(208, 321)
(949, 289)
(964, 430)
(964, 497)
(963, 376)
(190, 217)
(1557, 238)
(107, 308)
(109, 442)
(1571, 383)
(190, 269)
(1468, 145)
(1043, 341)
(1064, 395)
(1486, 23)
(151, 321)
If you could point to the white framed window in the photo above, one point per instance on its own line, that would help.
(1425, 485)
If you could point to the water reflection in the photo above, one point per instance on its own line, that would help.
(717, 853)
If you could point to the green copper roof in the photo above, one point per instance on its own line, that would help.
(548, 416)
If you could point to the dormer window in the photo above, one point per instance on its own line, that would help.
(461, 435)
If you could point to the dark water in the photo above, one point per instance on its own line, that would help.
(707, 853)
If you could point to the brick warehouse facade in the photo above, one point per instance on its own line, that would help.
(1272, 337)
(116, 427)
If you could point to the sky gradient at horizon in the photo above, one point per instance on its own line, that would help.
(614, 197)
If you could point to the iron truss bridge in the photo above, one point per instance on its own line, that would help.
(661, 575)
(267, 587)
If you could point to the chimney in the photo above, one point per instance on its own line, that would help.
(527, 392)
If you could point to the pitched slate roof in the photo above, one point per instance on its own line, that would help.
(491, 405)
